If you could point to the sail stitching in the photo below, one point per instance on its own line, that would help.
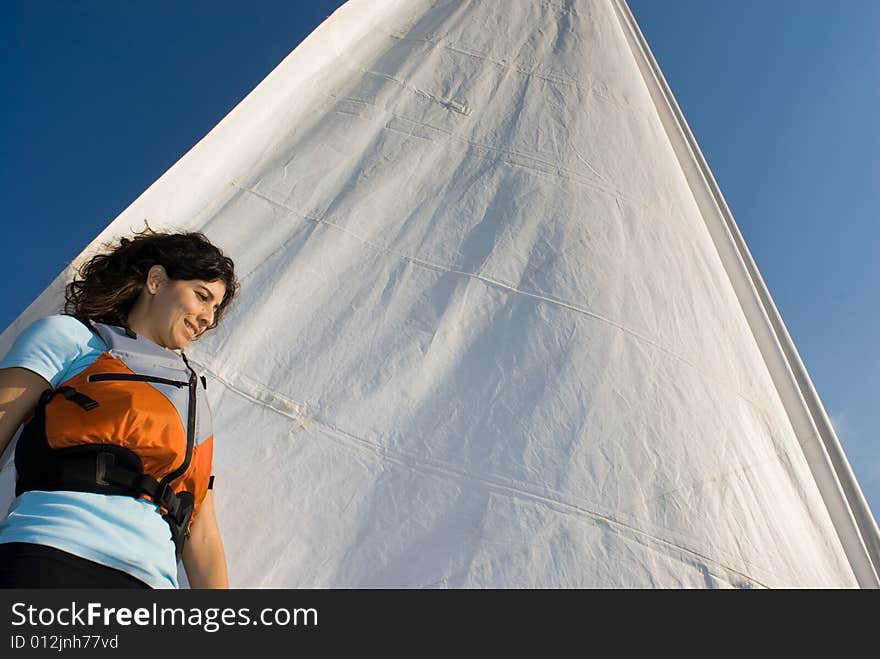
(504, 486)
(552, 76)
(507, 287)
(450, 104)
(518, 159)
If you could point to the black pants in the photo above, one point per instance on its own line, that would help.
(23, 565)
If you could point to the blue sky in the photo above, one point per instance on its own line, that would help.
(101, 97)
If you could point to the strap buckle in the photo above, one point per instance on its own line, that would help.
(168, 499)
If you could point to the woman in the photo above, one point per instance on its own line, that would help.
(113, 465)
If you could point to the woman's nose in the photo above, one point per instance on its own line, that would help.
(205, 318)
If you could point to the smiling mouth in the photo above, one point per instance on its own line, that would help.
(190, 328)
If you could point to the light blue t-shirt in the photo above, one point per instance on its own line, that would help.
(121, 532)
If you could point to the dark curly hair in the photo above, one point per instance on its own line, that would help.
(108, 285)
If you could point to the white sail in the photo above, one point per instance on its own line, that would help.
(497, 326)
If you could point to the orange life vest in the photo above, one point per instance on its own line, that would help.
(136, 421)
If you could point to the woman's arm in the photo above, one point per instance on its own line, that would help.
(20, 390)
(203, 555)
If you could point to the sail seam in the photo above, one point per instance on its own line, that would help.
(507, 287)
(552, 77)
(532, 162)
(515, 489)
(450, 104)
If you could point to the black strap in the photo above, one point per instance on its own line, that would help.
(179, 507)
(73, 395)
(108, 469)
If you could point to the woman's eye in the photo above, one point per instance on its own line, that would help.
(202, 297)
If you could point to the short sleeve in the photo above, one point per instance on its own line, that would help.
(52, 347)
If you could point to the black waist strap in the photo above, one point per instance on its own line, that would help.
(108, 469)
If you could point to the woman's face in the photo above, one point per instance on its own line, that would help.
(172, 312)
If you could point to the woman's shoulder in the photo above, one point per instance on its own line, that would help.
(54, 347)
(59, 320)
(59, 326)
